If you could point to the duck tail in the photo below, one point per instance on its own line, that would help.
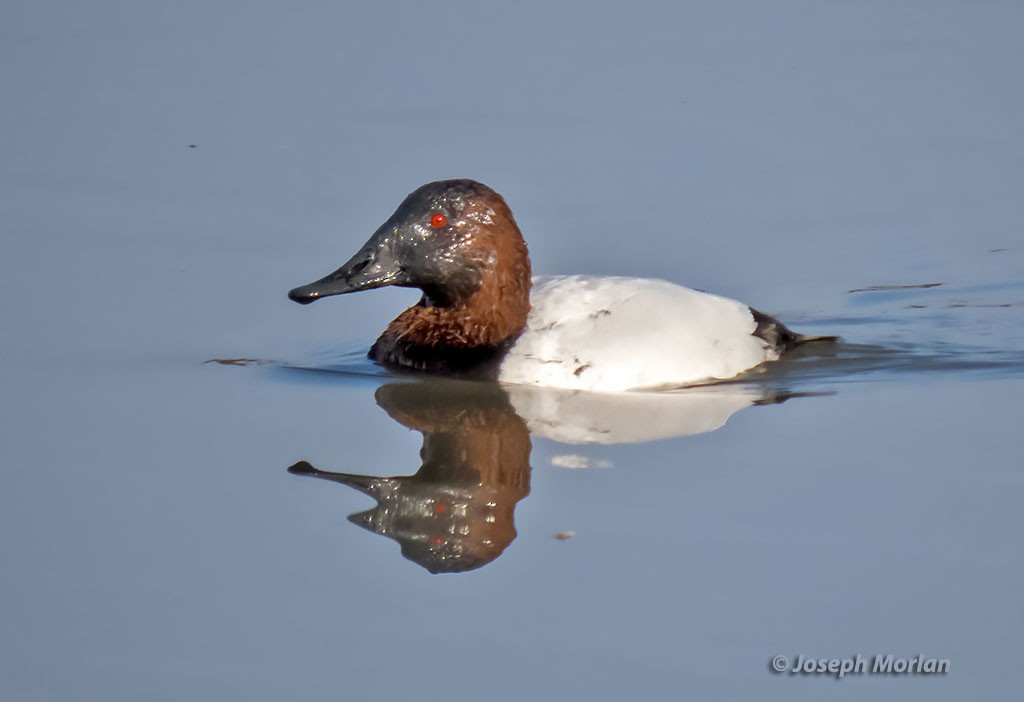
(780, 337)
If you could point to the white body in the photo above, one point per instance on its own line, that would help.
(613, 334)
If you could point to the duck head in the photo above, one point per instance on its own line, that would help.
(446, 238)
(457, 241)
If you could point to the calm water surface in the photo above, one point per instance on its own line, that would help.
(174, 529)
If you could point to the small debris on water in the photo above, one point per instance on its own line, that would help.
(575, 460)
(237, 361)
(886, 288)
(564, 535)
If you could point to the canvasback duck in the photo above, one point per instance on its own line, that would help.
(483, 315)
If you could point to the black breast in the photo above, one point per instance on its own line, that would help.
(477, 362)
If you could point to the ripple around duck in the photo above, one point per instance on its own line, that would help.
(807, 368)
(849, 362)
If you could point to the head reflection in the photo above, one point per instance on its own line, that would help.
(457, 512)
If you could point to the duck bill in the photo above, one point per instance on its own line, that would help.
(372, 267)
(365, 484)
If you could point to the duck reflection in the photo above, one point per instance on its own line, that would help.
(457, 512)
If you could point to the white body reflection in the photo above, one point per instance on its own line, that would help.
(575, 417)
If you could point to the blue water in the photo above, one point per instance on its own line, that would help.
(168, 172)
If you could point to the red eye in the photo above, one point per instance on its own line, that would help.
(438, 220)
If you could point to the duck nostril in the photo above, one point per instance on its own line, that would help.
(361, 266)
